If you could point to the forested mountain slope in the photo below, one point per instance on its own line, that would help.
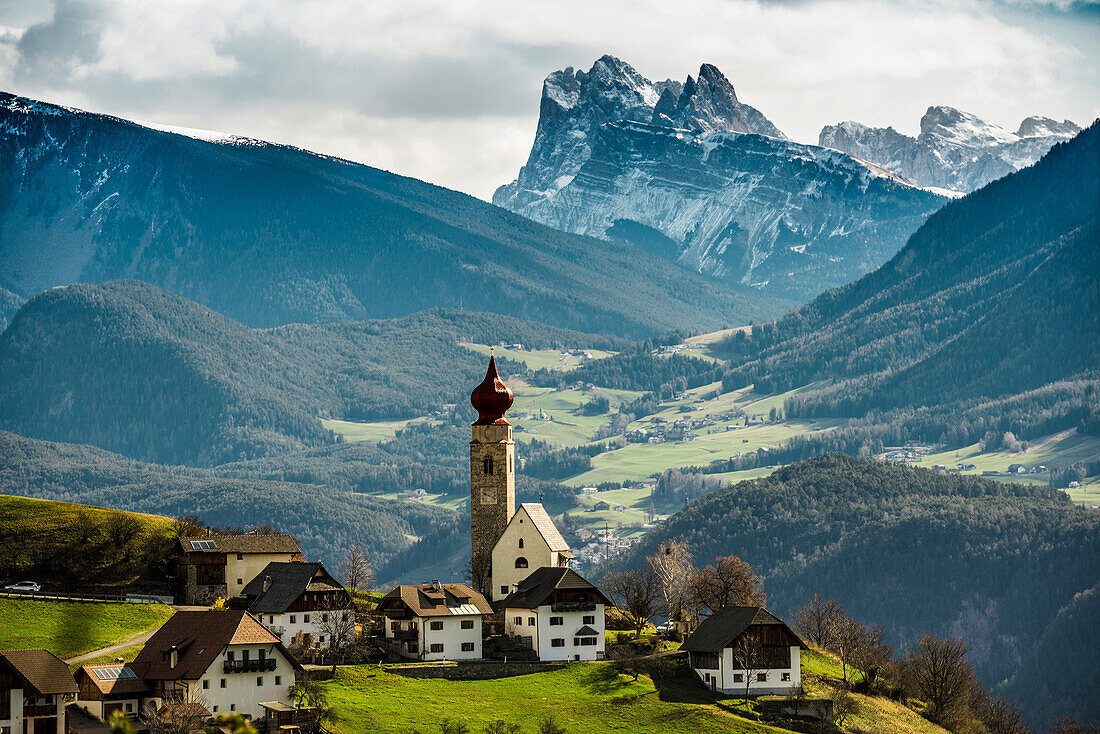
(134, 369)
(914, 551)
(995, 297)
(268, 234)
(325, 520)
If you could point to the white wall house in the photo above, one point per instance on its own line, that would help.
(299, 603)
(529, 541)
(558, 613)
(722, 647)
(224, 660)
(435, 621)
(34, 686)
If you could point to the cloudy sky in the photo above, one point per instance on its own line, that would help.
(448, 91)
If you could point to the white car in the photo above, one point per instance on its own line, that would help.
(27, 587)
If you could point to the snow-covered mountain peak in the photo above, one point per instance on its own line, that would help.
(962, 128)
(1038, 126)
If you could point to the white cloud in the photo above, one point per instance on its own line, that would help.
(448, 91)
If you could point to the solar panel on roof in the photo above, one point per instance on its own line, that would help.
(204, 545)
(114, 673)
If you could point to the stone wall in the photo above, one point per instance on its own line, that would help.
(473, 670)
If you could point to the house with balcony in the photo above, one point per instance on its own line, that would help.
(739, 649)
(220, 660)
(434, 621)
(210, 567)
(300, 603)
(34, 687)
(557, 613)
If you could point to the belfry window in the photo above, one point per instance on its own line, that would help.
(521, 542)
(521, 562)
(488, 465)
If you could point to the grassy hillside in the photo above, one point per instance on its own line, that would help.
(268, 235)
(68, 629)
(587, 697)
(77, 547)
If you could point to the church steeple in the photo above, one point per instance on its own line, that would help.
(492, 474)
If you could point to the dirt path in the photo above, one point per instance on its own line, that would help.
(140, 639)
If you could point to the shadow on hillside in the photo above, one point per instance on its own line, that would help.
(603, 680)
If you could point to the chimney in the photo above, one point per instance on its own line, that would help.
(436, 585)
(267, 583)
(173, 657)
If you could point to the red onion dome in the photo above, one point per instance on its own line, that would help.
(492, 398)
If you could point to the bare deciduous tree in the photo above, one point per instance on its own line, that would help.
(337, 627)
(357, 573)
(844, 637)
(941, 673)
(729, 582)
(814, 619)
(181, 711)
(550, 726)
(844, 705)
(672, 564)
(748, 655)
(478, 570)
(871, 652)
(637, 592)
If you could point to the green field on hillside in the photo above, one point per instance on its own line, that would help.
(537, 359)
(68, 628)
(587, 698)
(369, 431)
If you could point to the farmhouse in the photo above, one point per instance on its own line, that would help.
(557, 613)
(300, 603)
(105, 689)
(530, 541)
(221, 661)
(434, 621)
(34, 686)
(218, 566)
(746, 646)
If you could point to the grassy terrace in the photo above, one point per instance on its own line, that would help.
(68, 628)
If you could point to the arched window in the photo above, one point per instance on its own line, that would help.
(521, 542)
(521, 562)
(488, 466)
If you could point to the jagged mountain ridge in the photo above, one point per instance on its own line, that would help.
(955, 150)
(689, 172)
(269, 234)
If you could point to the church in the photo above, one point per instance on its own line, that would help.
(518, 557)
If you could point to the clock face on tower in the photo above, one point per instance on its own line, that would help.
(488, 496)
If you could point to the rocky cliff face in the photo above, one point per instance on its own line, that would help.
(955, 150)
(689, 172)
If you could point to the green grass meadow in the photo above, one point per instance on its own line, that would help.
(70, 628)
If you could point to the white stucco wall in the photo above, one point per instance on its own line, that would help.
(451, 636)
(248, 568)
(723, 677)
(543, 632)
(241, 692)
(290, 629)
(507, 550)
(15, 721)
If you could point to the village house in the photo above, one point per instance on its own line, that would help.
(300, 603)
(739, 646)
(530, 541)
(34, 686)
(434, 621)
(557, 613)
(210, 567)
(105, 689)
(219, 660)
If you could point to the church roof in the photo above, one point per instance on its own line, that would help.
(492, 398)
(546, 527)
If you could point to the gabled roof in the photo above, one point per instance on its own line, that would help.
(436, 600)
(40, 671)
(288, 582)
(199, 637)
(536, 589)
(114, 679)
(546, 527)
(719, 630)
(251, 543)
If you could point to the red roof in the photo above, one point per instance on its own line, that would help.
(492, 398)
